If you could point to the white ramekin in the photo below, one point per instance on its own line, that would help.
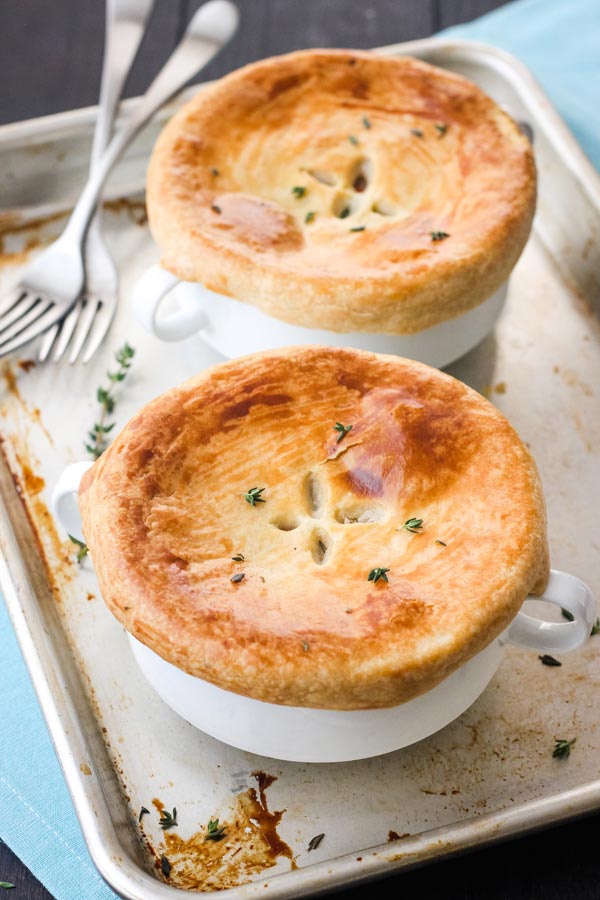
(302, 734)
(234, 328)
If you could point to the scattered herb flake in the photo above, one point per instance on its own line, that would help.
(378, 574)
(309, 217)
(367, 123)
(214, 831)
(567, 615)
(358, 228)
(315, 841)
(342, 429)
(439, 235)
(345, 212)
(143, 812)
(562, 749)
(216, 209)
(596, 627)
(82, 548)
(299, 191)
(548, 660)
(239, 557)
(441, 543)
(239, 577)
(417, 132)
(97, 436)
(168, 820)
(413, 525)
(353, 139)
(442, 128)
(253, 496)
(165, 866)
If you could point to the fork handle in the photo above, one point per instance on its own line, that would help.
(126, 22)
(209, 29)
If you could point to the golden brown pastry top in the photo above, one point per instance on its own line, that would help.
(164, 515)
(318, 186)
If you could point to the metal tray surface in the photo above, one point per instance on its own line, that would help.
(488, 775)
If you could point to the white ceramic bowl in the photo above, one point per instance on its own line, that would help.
(235, 328)
(323, 735)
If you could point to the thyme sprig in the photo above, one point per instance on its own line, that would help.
(378, 574)
(214, 831)
(82, 548)
(168, 820)
(342, 431)
(105, 395)
(562, 748)
(253, 496)
(413, 525)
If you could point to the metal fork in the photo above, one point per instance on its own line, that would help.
(54, 280)
(93, 312)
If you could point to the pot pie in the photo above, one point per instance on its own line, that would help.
(317, 527)
(343, 190)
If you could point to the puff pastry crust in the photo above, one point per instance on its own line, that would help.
(164, 513)
(317, 186)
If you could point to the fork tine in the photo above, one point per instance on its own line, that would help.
(47, 342)
(11, 299)
(32, 315)
(68, 326)
(99, 330)
(18, 311)
(92, 306)
(53, 314)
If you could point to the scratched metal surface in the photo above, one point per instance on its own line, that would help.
(488, 774)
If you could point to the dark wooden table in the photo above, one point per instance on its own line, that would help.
(50, 59)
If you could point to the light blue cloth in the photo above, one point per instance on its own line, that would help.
(560, 41)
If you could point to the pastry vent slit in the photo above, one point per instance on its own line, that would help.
(285, 522)
(315, 495)
(321, 545)
(361, 515)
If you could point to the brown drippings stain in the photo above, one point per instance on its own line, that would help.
(12, 387)
(251, 844)
(85, 769)
(26, 364)
(394, 836)
(158, 805)
(32, 483)
(91, 596)
(573, 380)
(135, 209)
(500, 388)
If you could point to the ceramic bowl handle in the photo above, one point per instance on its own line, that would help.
(148, 295)
(64, 498)
(570, 594)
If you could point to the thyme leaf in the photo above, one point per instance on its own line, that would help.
(442, 128)
(236, 579)
(143, 812)
(345, 212)
(342, 429)
(239, 557)
(165, 866)
(414, 526)
(97, 436)
(548, 660)
(441, 543)
(417, 132)
(359, 228)
(168, 820)
(253, 496)
(595, 628)
(378, 574)
(299, 191)
(367, 123)
(315, 841)
(439, 235)
(82, 548)
(353, 139)
(567, 615)
(562, 748)
(214, 831)
(6, 884)
(309, 217)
